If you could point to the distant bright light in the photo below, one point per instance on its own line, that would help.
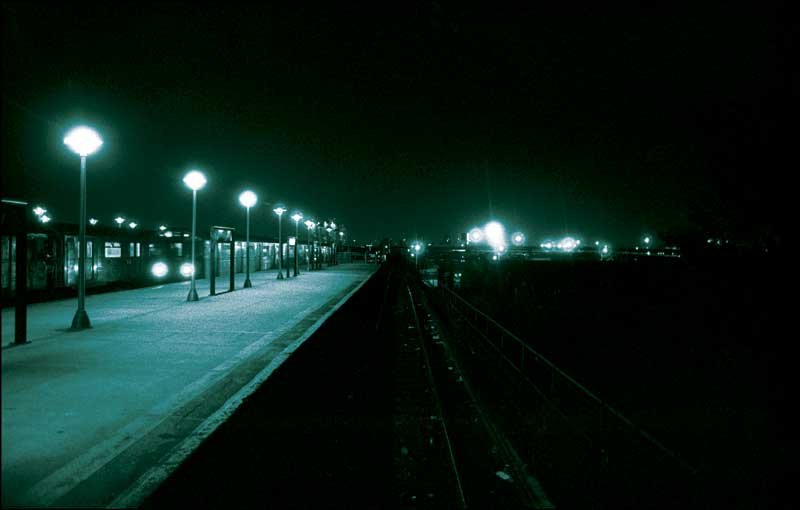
(159, 269)
(597, 243)
(647, 240)
(83, 140)
(162, 228)
(168, 233)
(133, 224)
(194, 180)
(495, 233)
(605, 249)
(120, 220)
(494, 257)
(187, 269)
(475, 235)
(547, 245)
(44, 218)
(417, 247)
(567, 244)
(94, 221)
(248, 199)
(297, 216)
(309, 223)
(279, 210)
(333, 225)
(517, 238)
(501, 248)
(38, 211)
(186, 235)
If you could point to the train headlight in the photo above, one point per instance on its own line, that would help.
(187, 269)
(159, 270)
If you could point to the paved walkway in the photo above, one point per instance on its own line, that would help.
(100, 417)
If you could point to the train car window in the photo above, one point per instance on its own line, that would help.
(89, 249)
(113, 250)
(138, 249)
(178, 248)
(135, 249)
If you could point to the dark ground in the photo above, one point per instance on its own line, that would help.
(696, 353)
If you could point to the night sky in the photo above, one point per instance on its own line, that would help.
(406, 119)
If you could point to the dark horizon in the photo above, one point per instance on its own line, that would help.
(406, 121)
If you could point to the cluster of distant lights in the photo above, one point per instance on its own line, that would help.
(493, 233)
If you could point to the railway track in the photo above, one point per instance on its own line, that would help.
(476, 467)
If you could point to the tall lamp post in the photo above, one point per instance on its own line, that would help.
(279, 211)
(310, 225)
(248, 199)
(296, 217)
(82, 141)
(120, 220)
(194, 180)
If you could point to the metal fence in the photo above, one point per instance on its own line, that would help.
(574, 437)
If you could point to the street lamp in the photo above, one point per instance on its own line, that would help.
(279, 211)
(194, 180)
(296, 217)
(120, 220)
(82, 141)
(44, 218)
(39, 211)
(329, 229)
(248, 199)
(133, 225)
(310, 225)
(93, 221)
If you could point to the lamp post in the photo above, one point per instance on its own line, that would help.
(279, 211)
(296, 217)
(120, 220)
(248, 199)
(310, 225)
(82, 141)
(330, 255)
(194, 180)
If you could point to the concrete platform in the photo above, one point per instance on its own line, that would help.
(100, 417)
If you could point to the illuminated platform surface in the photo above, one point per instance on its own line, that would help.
(98, 417)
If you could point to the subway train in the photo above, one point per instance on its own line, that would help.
(119, 258)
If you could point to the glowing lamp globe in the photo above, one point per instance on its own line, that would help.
(494, 233)
(297, 217)
(248, 199)
(83, 141)
(279, 210)
(567, 244)
(310, 224)
(475, 235)
(518, 238)
(194, 180)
